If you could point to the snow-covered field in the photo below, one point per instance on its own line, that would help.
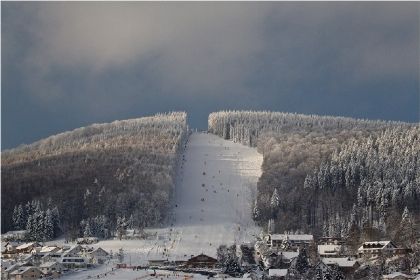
(213, 202)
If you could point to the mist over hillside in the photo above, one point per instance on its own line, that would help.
(107, 172)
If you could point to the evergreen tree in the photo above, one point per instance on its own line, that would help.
(406, 234)
(302, 264)
(121, 226)
(256, 212)
(39, 224)
(19, 217)
(232, 265)
(275, 200)
(30, 228)
(56, 220)
(274, 203)
(48, 225)
(87, 232)
(222, 254)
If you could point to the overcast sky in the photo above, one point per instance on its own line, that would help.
(70, 64)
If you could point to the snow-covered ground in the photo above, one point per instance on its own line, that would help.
(214, 196)
(213, 202)
(130, 274)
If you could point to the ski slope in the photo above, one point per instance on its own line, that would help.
(214, 196)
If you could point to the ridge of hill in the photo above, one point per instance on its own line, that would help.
(102, 172)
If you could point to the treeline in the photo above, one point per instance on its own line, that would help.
(121, 169)
(319, 170)
(246, 127)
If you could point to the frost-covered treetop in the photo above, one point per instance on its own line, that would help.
(284, 118)
(158, 132)
(247, 126)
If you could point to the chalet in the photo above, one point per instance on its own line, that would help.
(73, 262)
(376, 248)
(48, 250)
(25, 273)
(278, 260)
(98, 255)
(320, 271)
(398, 276)
(157, 262)
(27, 247)
(5, 272)
(346, 265)
(277, 273)
(10, 246)
(201, 261)
(294, 241)
(49, 268)
(73, 251)
(330, 250)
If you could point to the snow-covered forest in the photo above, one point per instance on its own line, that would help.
(124, 171)
(329, 175)
(247, 127)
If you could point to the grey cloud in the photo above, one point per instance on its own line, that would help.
(97, 61)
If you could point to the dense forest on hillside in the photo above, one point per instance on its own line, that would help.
(113, 174)
(329, 175)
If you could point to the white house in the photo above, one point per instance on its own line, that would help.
(376, 248)
(98, 255)
(294, 240)
(330, 250)
(277, 273)
(25, 272)
(27, 247)
(73, 251)
(11, 246)
(73, 262)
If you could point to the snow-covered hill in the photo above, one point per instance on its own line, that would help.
(213, 201)
(214, 195)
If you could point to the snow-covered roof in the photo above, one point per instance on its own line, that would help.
(397, 274)
(290, 255)
(328, 249)
(341, 262)
(12, 243)
(48, 249)
(293, 237)
(99, 250)
(14, 232)
(374, 245)
(6, 263)
(277, 272)
(48, 264)
(23, 269)
(12, 267)
(72, 249)
(26, 245)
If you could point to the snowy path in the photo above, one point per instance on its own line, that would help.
(214, 195)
